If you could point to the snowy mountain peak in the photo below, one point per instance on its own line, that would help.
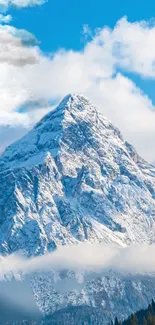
(74, 122)
(72, 103)
(73, 178)
(75, 100)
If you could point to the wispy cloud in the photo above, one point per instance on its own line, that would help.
(5, 19)
(86, 32)
(20, 3)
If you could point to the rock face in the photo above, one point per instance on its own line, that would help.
(112, 294)
(73, 178)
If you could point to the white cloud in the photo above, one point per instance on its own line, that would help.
(13, 48)
(29, 75)
(84, 257)
(5, 19)
(20, 3)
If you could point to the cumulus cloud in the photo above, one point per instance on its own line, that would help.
(136, 259)
(5, 19)
(12, 47)
(97, 71)
(20, 3)
(132, 46)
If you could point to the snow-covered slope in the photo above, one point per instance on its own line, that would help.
(73, 178)
(112, 293)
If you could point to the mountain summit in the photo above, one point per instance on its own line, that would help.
(73, 178)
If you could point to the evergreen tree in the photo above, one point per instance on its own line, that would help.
(153, 306)
(134, 320)
(117, 322)
(149, 317)
(144, 321)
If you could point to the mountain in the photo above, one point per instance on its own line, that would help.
(73, 178)
(108, 293)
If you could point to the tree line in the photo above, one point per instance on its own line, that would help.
(142, 317)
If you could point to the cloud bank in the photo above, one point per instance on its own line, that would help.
(137, 259)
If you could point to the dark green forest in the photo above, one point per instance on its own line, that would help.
(142, 317)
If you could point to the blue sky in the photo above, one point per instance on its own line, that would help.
(59, 23)
(112, 63)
